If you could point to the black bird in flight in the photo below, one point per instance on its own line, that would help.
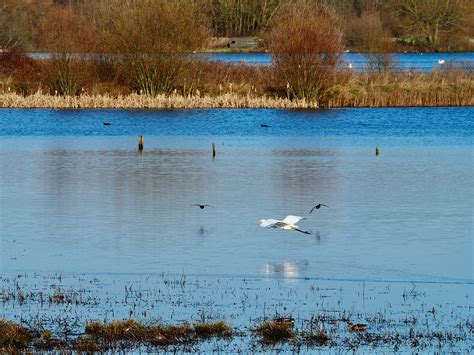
(318, 206)
(201, 206)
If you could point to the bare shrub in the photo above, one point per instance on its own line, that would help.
(239, 17)
(306, 42)
(18, 72)
(67, 36)
(433, 19)
(154, 39)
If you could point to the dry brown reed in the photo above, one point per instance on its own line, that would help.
(135, 101)
(275, 331)
(13, 336)
(440, 88)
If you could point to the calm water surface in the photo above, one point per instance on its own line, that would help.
(424, 62)
(358, 61)
(77, 197)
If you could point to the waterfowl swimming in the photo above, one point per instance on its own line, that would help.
(287, 224)
(317, 207)
(359, 327)
(106, 124)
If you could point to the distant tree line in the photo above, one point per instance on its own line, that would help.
(367, 25)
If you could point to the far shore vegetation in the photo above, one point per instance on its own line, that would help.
(122, 54)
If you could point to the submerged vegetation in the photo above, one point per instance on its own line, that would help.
(143, 315)
(274, 331)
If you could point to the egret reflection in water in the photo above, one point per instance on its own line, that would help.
(287, 269)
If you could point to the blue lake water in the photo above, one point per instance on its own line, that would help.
(424, 62)
(77, 197)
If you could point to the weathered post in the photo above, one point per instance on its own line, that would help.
(140, 142)
(376, 151)
(213, 150)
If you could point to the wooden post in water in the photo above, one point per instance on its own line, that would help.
(213, 150)
(140, 142)
(376, 151)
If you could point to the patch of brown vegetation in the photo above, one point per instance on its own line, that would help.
(208, 330)
(275, 331)
(14, 337)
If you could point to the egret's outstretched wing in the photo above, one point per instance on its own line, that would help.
(292, 219)
(268, 223)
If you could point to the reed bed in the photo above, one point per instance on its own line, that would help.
(392, 96)
(351, 90)
(454, 88)
(26, 83)
(135, 101)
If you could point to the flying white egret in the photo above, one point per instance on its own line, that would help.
(287, 224)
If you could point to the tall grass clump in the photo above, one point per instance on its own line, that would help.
(211, 329)
(13, 337)
(306, 42)
(275, 331)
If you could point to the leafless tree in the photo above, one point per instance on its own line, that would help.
(366, 33)
(154, 38)
(433, 18)
(306, 44)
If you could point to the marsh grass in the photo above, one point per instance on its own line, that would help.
(454, 88)
(130, 330)
(208, 330)
(126, 333)
(14, 336)
(133, 101)
(275, 331)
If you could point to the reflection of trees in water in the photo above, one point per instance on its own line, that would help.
(122, 191)
(285, 269)
(304, 172)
